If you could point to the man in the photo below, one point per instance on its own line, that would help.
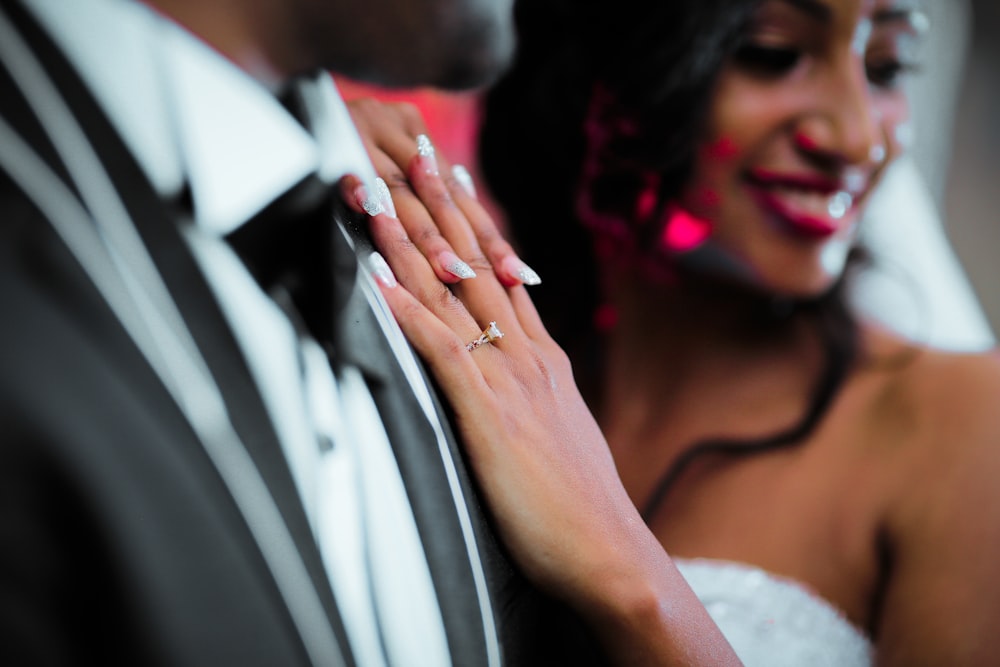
(208, 457)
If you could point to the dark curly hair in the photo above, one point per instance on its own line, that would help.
(644, 72)
(657, 61)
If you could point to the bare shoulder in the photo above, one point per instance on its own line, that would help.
(942, 526)
(963, 388)
(944, 408)
(948, 396)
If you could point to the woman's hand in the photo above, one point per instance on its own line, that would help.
(389, 132)
(533, 443)
(537, 452)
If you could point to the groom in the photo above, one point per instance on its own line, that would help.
(215, 447)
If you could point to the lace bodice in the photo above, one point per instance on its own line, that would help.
(774, 622)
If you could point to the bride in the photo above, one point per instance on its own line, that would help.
(689, 178)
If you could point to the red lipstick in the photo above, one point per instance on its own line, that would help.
(806, 205)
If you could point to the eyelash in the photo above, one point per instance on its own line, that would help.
(774, 61)
(767, 60)
(889, 72)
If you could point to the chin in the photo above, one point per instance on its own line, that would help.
(792, 287)
(802, 279)
(477, 60)
(803, 290)
(800, 284)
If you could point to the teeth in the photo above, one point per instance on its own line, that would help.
(816, 204)
(839, 205)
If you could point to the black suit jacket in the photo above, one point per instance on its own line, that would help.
(120, 542)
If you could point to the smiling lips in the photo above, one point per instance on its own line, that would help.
(806, 206)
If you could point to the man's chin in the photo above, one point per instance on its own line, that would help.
(481, 66)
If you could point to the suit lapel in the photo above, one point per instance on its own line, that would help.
(157, 224)
(432, 473)
(415, 446)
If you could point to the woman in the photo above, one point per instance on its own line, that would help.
(688, 178)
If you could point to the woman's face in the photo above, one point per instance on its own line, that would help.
(805, 118)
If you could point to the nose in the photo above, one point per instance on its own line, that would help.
(842, 123)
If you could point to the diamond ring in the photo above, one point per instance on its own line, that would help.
(490, 334)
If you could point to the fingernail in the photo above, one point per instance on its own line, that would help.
(385, 197)
(456, 267)
(464, 179)
(513, 266)
(370, 204)
(425, 149)
(381, 271)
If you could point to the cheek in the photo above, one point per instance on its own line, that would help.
(715, 163)
(724, 149)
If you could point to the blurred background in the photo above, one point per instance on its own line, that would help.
(969, 174)
(956, 102)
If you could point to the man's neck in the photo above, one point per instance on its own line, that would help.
(246, 33)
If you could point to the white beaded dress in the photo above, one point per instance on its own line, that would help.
(772, 621)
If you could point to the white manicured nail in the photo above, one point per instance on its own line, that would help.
(425, 149)
(513, 266)
(385, 197)
(455, 266)
(369, 202)
(381, 271)
(464, 179)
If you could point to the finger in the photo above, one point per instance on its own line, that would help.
(467, 372)
(527, 314)
(393, 149)
(433, 222)
(418, 279)
(441, 215)
(364, 199)
(485, 297)
(509, 267)
(397, 131)
(419, 223)
(388, 131)
(453, 205)
(390, 126)
(448, 266)
(452, 364)
(409, 267)
(393, 130)
(416, 272)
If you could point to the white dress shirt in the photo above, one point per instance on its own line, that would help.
(189, 116)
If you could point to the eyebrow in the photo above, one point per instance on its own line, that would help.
(822, 12)
(910, 16)
(814, 8)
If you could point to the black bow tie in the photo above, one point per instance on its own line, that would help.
(298, 253)
(298, 250)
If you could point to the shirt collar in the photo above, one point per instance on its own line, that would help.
(191, 116)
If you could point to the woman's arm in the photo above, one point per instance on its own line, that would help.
(535, 449)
